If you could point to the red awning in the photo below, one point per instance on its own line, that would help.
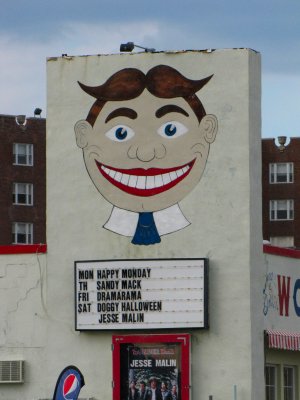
(283, 340)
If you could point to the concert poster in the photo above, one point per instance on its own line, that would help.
(148, 367)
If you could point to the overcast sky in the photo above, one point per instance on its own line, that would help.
(31, 30)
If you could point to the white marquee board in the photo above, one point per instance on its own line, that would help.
(141, 294)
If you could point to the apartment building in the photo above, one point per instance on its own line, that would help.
(281, 191)
(22, 179)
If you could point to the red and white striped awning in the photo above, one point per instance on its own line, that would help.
(283, 340)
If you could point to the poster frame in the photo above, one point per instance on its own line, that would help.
(183, 339)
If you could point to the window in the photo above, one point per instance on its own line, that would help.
(281, 210)
(22, 233)
(282, 241)
(23, 194)
(270, 382)
(288, 383)
(280, 382)
(281, 173)
(23, 154)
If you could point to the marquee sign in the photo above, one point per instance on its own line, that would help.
(141, 294)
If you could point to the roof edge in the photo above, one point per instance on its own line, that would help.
(281, 251)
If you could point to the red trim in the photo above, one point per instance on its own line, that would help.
(23, 249)
(184, 339)
(281, 251)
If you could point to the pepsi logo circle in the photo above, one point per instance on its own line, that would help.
(70, 386)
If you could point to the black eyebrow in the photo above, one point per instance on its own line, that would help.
(121, 112)
(168, 109)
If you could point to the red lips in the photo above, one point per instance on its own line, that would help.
(145, 182)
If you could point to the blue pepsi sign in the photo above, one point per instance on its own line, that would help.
(69, 384)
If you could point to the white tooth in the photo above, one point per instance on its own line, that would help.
(185, 169)
(105, 169)
(166, 178)
(111, 173)
(118, 177)
(132, 180)
(179, 172)
(141, 182)
(173, 176)
(158, 181)
(125, 179)
(150, 184)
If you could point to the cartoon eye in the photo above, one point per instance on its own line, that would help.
(120, 133)
(172, 129)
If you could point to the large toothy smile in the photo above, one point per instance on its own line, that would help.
(145, 182)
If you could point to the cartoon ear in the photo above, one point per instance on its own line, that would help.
(209, 127)
(82, 129)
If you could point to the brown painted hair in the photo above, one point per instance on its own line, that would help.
(161, 81)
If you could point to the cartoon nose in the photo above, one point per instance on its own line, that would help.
(147, 152)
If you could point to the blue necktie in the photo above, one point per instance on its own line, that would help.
(146, 232)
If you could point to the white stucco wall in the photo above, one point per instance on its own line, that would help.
(224, 210)
(23, 316)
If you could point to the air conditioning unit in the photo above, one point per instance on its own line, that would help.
(12, 371)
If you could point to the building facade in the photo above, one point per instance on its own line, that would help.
(281, 192)
(154, 210)
(22, 180)
(135, 309)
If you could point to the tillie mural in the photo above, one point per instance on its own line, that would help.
(145, 144)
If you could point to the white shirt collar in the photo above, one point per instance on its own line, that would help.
(124, 222)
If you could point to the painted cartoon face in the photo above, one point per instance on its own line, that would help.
(148, 153)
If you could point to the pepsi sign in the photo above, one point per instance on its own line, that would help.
(69, 384)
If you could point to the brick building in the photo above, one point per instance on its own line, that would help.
(22, 180)
(281, 191)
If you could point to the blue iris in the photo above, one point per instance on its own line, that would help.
(170, 129)
(121, 133)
